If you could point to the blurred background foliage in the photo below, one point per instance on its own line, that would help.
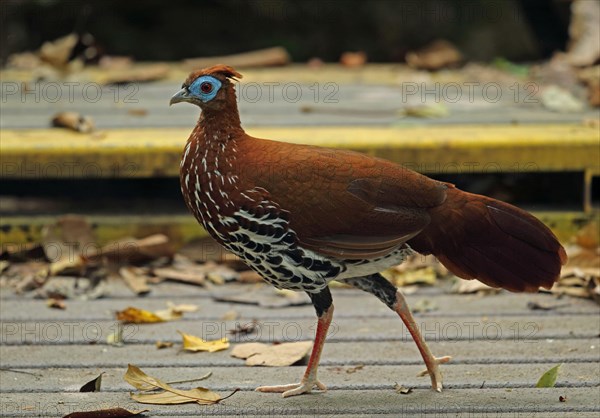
(155, 30)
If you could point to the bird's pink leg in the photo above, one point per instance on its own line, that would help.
(309, 380)
(432, 363)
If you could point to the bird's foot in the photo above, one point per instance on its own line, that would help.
(433, 370)
(305, 386)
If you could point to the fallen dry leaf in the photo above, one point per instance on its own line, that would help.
(190, 275)
(353, 59)
(132, 250)
(402, 389)
(436, 55)
(74, 121)
(164, 344)
(193, 343)
(560, 100)
(137, 112)
(244, 329)
(133, 315)
(249, 276)
(106, 413)
(57, 52)
(354, 369)
(56, 303)
(422, 276)
(116, 337)
(136, 279)
(63, 242)
(182, 307)
(259, 354)
(140, 380)
(93, 385)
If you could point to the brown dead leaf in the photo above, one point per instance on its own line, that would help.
(259, 354)
(249, 276)
(402, 389)
(438, 54)
(353, 59)
(133, 315)
(588, 236)
(93, 385)
(170, 396)
(164, 344)
(182, 307)
(137, 112)
(193, 343)
(244, 329)
(354, 369)
(190, 275)
(422, 276)
(106, 413)
(64, 241)
(56, 303)
(136, 279)
(58, 52)
(132, 250)
(74, 121)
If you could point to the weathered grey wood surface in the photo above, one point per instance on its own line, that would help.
(285, 104)
(500, 348)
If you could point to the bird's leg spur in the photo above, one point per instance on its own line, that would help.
(377, 285)
(324, 306)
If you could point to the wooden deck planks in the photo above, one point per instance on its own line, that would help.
(486, 375)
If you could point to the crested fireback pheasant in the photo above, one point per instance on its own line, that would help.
(302, 216)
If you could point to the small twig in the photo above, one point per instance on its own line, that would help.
(228, 396)
(206, 376)
(3, 369)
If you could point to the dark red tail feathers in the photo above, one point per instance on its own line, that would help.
(477, 237)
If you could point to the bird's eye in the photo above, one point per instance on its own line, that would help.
(206, 87)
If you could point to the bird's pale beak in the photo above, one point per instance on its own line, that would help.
(181, 96)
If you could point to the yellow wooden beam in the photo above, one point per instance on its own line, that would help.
(57, 153)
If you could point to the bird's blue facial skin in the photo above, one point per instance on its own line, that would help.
(205, 88)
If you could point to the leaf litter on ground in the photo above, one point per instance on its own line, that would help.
(169, 395)
(93, 385)
(106, 413)
(194, 343)
(259, 354)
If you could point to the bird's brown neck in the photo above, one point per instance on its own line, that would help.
(222, 122)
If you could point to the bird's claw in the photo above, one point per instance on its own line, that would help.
(433, 371)
(294, 388)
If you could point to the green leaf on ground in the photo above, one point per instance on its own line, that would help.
(548, 379)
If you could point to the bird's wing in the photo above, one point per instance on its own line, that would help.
(341, 203)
